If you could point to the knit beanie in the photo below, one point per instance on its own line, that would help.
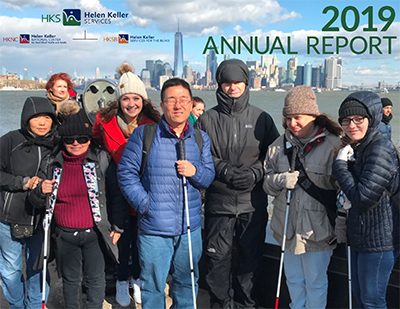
(386, 102)
(232, 70)
(301, 100)
(130, 82)
(351, 108)
(75, 124)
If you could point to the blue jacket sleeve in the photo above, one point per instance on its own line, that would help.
(128, 173)
(205, 172)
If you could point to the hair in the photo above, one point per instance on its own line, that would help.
(64, 76)
(173, 82)
(323, 121)
(197, 100)
(148, 109)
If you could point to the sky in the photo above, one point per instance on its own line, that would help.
(198, 20)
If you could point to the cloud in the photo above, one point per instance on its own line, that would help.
(200, 16)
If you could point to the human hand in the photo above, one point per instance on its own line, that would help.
(47, 186)
(243, 179)
(228, 174)
(289, 179)
(115, 236)
(345, 153)
(31, 183)
(185, 168)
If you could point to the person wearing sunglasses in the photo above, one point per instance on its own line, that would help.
(21, 231)
(113, 126)
(365, 169)
(75, 188)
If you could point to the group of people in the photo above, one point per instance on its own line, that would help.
(128, 189)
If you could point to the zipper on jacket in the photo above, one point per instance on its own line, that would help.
(7, 203)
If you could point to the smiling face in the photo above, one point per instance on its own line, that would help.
(60, 88)
(131, 105)
(40, 125)
(300, 125)
(77, 149)
(176, 106)
(198, 109)
(233, 89)
(355, 127)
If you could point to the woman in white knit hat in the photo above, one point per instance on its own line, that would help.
(114, 125)
(304, 153)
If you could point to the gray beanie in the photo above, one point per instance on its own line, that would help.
(301, 100)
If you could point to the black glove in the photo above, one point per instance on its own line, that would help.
(228, 174)
(243, 179)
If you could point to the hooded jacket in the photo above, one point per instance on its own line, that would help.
(240, 135)
(21, 155)
(368, 182)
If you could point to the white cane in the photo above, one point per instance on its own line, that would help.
(349, 275)
(283, 246)
(278, 288)
(185, 196)
(46, 245)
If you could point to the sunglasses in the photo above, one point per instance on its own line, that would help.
(81, 139)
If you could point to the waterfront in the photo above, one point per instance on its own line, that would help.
(11, 103)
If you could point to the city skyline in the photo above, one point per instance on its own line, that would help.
(149, 30)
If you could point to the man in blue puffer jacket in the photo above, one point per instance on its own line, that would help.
(157, 196)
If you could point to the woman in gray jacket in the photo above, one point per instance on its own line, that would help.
(303, 155)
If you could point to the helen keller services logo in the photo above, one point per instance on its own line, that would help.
(77, 17)
(71, 17)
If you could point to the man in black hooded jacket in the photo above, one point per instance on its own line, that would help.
(235, 209)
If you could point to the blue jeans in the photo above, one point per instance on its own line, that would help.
(370, 277)
(157, 254)
(307, 278)
(12, 281)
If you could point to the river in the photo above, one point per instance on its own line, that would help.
(11, 103)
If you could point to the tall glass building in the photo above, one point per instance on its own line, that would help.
(178, 54)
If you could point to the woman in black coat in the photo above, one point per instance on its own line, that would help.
(20, 223)
(366, 172)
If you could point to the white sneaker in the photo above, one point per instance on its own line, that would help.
(122, 296)
(137, 296)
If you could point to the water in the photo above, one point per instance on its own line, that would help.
(11, 103)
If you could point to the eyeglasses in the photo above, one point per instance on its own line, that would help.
(184, 101)
(81, 139)
(356, 120)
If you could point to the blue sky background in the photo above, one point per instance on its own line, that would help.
(198, 20)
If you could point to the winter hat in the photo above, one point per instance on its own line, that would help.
(300, 100)
(130, 82)
(386, 102)
(75, 124)
(351, 108)
(232, 70)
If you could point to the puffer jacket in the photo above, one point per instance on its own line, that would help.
(308, 225)
(21, 156)
(240, 135)
(368, 182)
(158, 196)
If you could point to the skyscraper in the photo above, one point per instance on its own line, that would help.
(307, 74)
(178, 54)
